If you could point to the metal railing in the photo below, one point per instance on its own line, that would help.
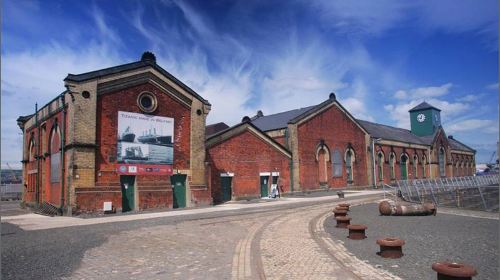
(474, 192)
(11, 191)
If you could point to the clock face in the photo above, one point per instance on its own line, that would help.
(421, 117)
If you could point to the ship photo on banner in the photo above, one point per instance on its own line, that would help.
(145, 144)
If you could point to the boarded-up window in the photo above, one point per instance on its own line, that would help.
(55, 157)
(55, 168)
(337, 163)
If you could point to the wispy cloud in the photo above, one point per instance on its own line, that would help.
(487, 126)
(424, 92)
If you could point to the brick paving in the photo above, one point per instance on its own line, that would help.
(287, 242)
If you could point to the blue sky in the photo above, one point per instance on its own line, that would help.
(380, 57)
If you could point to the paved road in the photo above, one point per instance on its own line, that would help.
(452, 235)
(277, 241)
(11, 208)
(212, 245)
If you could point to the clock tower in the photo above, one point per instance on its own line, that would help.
(425, 119)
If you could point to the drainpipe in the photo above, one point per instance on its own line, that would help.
(373, 161)
(430, 165)
(63, 142)
(291, 160)
(37, 190)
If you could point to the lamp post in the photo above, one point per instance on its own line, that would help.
(373, 161)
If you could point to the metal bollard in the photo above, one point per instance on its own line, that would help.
(357, 232)
(343, 221)
(453, 271)
(339, 212)
(391, 247)
(342, 208)
(347, 205)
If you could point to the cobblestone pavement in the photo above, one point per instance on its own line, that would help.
(461, 236)
(273, 242)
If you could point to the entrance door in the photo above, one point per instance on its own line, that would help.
(127, 182)
(226, 189)
(178, 182)
(264, 186)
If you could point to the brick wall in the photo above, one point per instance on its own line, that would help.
(398, 151)
(338, 131)
(246, 155)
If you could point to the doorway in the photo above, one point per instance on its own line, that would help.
(226, 189)
(264, 186)
(127, 183)
(178, 182)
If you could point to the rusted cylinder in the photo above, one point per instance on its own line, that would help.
(338, 213)
(342, 208)
(389, 207)
(357, 232)
(454, 271)
(391, 247)
(343, 221)
(415, 210)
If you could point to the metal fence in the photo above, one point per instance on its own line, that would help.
(11, 191)
(475, 192)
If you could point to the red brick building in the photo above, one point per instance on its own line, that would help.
(246, 163)
(128, 137)
(134, 137)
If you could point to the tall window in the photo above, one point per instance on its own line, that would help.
(337, 163)
(55, 155)
(392, 159)
(380, 166)
(404, 166)
(442, 162)
(349, 160)
(424, 165)
(415, 166)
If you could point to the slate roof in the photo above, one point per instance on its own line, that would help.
(422, 106)
(279, 120)
(391, 133)
(457, 145)
(128, 67)
(214, 128)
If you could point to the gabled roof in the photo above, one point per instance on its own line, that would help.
(214, 128)
(225, 134)
(279, 120)
(457, 145)
(391, 133)
(147, 60)
(422, 106)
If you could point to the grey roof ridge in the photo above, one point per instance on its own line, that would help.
(468, 147)
(131, 66)
(394, 127)
(253, 126)
(284, 112)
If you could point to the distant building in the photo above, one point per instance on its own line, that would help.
(329, 148)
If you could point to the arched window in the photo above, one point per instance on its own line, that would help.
(55, 155)
(424, 166)
(404, 166)
(349, 161)
(337, 163)
(462, 170)
(392, 161)
(380, 166)
(415, 166)
(31, 156)
(442, 162)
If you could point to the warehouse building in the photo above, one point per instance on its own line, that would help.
(128, 137)
(329, 148)
(134, 137)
